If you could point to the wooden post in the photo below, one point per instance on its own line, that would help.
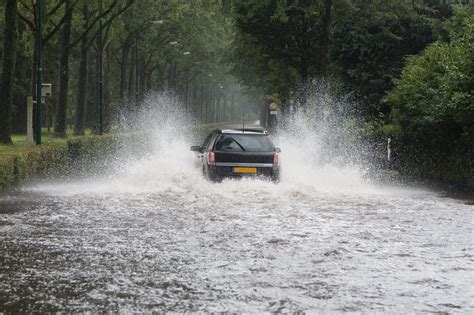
(29, 120)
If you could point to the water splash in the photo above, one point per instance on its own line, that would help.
(321, 145)
(318, 156)
(312, 158)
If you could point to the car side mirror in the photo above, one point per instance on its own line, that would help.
(277, 150)
(195, 148)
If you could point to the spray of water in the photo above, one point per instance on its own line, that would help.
(318, 155)
(311, 159)
(321, 149)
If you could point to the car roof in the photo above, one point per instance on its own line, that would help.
(242, 129)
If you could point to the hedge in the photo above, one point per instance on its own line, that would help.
(73, 157)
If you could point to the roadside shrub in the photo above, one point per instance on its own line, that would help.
(433, 105)
(7, 171)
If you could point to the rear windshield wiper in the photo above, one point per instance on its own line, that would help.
(243, 149)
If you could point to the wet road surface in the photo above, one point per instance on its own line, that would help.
(153, 235)
(169, 241)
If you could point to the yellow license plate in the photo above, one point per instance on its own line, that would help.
(251, 170)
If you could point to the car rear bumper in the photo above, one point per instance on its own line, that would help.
(221, 170)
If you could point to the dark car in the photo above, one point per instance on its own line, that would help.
(237, 153)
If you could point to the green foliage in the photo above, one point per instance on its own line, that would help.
(31, 162)
(200, 27)
(7, 171)
(63, 158)
(280, 41)
(433, 104)
(370, 42)
(367, 41)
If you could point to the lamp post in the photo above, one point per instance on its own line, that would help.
(39, 69)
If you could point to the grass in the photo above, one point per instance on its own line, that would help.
(19, 142)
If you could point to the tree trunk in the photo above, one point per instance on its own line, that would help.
(149, 80)
(91, 111)
(94, 108)
(131, 76)
(80, 115)
(324, 40)
(304, 84)
(8, 66)
(208, 104)
(79, 126)
(61, 106)
(215, 108)
(107, 89)
(123, 69)
(194, 101)
(142, 72)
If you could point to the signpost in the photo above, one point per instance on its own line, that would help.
(272, 116)
(46, 91)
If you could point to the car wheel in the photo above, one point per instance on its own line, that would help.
(205, 173)
(209, 175)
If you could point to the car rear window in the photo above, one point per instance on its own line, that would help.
(244, 143)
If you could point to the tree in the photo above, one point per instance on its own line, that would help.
(60, 117)
(66, 46)
(69, 35)
(370, 42)
(291, 34)
(80, 112)
(54, 21)
(8, 73)
(432, 104)
(90, 16)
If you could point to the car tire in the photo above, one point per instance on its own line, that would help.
(275, 178)
(209, 175)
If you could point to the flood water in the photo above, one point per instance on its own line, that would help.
(156, 236)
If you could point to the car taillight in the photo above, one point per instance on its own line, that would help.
(276, 159)
(211, 158)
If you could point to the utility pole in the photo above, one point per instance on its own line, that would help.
(39, 69)
(101, 82)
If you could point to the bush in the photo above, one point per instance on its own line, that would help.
(74, 157)
(433, 105)
(7, 171)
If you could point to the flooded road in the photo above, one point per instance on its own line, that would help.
(153, 235)
(164, 241)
